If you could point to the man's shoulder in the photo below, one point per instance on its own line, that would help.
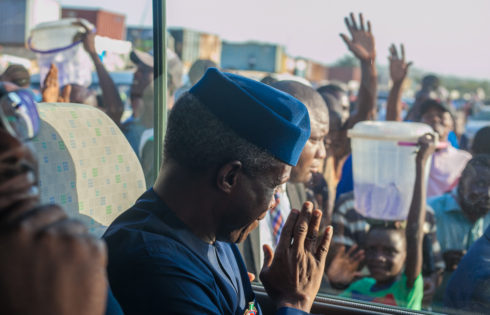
(472, 278)
(478, 257)
(147, 229)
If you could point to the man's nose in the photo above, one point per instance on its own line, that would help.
(321, 152)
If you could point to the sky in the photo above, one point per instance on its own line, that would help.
(441, 36)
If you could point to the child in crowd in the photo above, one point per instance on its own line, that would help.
(390, 246)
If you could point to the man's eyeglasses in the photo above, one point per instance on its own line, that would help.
(18, 114)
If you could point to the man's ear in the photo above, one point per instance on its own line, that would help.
(228, 176)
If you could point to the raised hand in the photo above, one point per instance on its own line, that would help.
(292, 276)
(344, 267)
(427, 147)
(65, 95)
(398, 65)
(87, 37)
(51, 86)
(362, 42)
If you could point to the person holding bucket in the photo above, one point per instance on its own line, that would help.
(393, 250)
(72, 62)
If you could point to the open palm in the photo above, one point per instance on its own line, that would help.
(344, 267)
(362, 42)
(398, 65)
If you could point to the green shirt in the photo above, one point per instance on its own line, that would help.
(398, 294)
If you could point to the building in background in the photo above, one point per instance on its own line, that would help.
(18, 17)
(316, 72)
(252, 56)
(311, 70)
(108, 24)
(344, 74)
(141, 37)
(191, 45)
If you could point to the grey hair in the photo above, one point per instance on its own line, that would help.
(198, 140)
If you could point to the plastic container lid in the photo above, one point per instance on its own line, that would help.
(389, 130)
(51, 37)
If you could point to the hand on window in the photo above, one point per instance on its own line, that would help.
(292, 275)
(345, 265)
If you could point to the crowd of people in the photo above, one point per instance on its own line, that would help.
(266, 165)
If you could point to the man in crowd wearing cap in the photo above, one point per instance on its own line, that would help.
(49, 264)
(293, 194)
(463, 214)
(430, 86)
(449, 162)
(174, 251)
(469, 287)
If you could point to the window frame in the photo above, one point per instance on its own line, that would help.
(160, 80)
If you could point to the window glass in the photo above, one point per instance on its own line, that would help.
(410, 230)
(112, 70)
(365, 186)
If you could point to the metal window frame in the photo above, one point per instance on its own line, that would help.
(160, 80)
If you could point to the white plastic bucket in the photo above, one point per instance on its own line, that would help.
(57, 42)
(384, 170)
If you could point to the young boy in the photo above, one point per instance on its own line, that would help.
(389, 247)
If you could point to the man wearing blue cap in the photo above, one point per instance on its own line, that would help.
(230, 143)
(293, 194)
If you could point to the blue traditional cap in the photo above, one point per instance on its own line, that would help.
(263, 115)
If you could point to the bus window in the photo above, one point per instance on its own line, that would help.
(389, 64)
(397, 159)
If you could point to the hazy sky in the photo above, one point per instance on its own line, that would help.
(444, 36)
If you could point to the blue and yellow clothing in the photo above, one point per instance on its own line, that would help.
(158, 266)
